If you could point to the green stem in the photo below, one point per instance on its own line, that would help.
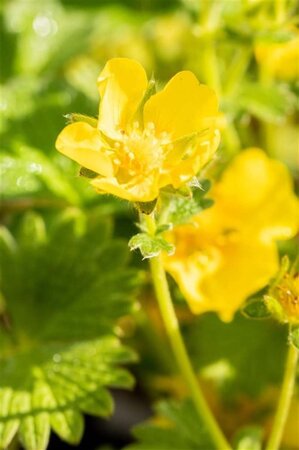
(178, 346)
(284, 399)
(209, 65)
(231, 140)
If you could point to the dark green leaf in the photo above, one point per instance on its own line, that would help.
(61, 303)
(230, 354)
(180, 428)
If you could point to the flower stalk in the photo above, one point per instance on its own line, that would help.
(285, 398)
(178, 346)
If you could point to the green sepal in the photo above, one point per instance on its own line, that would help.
(183, 191)
(164, 227)
(146, 207)
(150, 246)
(151, 90)
(275, 308)
(294, 336)
(256, 308)
(87, 173)
(76, 117)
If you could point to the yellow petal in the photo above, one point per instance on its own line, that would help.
(144, 190)
(202, 151)
(183, 107)
(221, 278)
(256, 194)
(122, 84)
(245, 267)
(82, 143)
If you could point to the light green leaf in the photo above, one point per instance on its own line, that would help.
(28, 171)
(268, 103)
(164, 227)
(34, 431)
(180, 209)
(150, 246)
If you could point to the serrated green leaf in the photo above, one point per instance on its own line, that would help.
(150, 246)
(58, 354)
(180, 210)
(164, 227)
(34, 431)
(8, 428)
(68, 425)
(50, 386)
(180, 428)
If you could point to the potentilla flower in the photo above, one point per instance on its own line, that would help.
(230, 252)
(142, 144)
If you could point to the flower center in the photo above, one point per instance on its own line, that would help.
(138, 152)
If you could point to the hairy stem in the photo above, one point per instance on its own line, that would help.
(178, 347)
(284, 399)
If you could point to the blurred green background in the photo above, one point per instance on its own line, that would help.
(51, 54)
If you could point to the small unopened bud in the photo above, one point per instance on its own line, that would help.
(283, 298)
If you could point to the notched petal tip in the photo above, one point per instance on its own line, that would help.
(182, 106)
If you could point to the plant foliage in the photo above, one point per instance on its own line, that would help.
(59, 350)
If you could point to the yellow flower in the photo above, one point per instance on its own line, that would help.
(280, 59)
(138, 149)
(229, 252)
(283, 299)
